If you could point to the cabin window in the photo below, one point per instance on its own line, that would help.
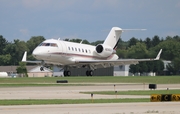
(69, 48)
(86, 50)
(72, 48)
(82, 50)
(79, 50)
(76, 49)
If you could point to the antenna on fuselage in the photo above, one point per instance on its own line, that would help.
(59, 38)
(81, 42)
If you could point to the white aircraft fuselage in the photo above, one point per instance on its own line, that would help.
(67, 53)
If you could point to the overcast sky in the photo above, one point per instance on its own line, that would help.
(88, 19)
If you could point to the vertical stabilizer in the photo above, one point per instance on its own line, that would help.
(113, 37)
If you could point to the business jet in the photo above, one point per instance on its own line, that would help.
(66, 54)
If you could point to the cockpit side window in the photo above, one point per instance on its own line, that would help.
(47, 44)
(40, 44)
(54, 45)
(43, 44)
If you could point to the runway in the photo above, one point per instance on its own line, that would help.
(109, 108)
(72, 92)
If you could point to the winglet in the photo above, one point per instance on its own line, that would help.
(159, 54)
(24, 56)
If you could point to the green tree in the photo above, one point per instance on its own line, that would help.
(122, 53)
(150, 66)
(22, 69)
(158, 67)
(5, 59)
(148, 43)
(134, 68)
(155, 40)
(177, 38)
(20, 47)
(143, 68)
(76, 40)
(3, 43)
(174, 67)
(85, 42)
(137, 51)
(33, 42)
(133, 41)
(97, 42)
(170, 49)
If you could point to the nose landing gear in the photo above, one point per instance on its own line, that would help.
(41, 68)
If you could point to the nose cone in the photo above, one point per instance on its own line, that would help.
(36, 52)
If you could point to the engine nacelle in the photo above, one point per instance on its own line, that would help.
(103, 50)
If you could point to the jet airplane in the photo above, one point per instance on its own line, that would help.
(77, 55)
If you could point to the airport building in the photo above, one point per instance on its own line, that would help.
(34, 71)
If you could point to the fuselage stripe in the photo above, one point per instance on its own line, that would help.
(87, 56)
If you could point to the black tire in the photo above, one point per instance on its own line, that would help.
(68, 73)
(41, 69)
(87, 73)
(65, 73)
(91, 73)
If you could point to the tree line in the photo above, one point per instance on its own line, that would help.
(11, 52)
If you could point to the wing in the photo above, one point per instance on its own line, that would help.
(109, 63)
(25, 56)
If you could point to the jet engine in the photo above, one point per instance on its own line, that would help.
(104, 51)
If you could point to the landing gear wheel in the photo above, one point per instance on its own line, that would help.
(41, 68)
(67, 73)
(89, 73)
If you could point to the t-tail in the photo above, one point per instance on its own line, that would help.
(113, 37)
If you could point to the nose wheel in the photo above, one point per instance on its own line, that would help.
(89, 73)
(41, 68)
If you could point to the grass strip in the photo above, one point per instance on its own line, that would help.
(69, 101)
(41, 85)
(135, 92)
(94, 79)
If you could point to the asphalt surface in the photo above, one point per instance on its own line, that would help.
(72, 92)
(109, 108)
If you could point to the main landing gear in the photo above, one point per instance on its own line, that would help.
(67, 73)
(89, 73)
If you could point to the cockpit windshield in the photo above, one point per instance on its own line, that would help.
(49, 44)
